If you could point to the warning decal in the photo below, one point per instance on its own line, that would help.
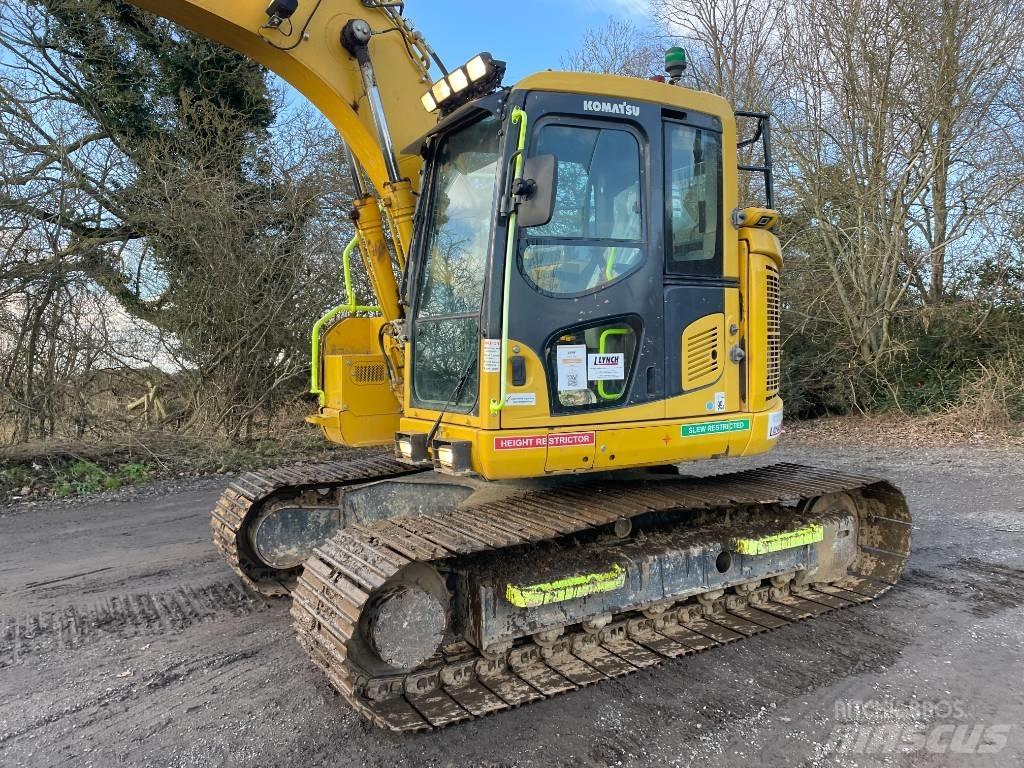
(571, 363)
(552, 440)
(492, 355)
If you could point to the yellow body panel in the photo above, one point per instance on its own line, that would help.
(527, 452)
(702, 351)
(359, 407)
(539, 414)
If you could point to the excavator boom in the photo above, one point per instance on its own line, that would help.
(305, 50)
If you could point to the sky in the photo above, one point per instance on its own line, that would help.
(531, 35)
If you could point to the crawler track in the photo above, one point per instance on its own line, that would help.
(247, 495)
(458, 684)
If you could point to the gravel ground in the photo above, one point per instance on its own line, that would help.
(125, 641)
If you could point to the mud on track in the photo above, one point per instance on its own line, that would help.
(125, 641)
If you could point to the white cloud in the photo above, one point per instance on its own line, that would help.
(632, 7)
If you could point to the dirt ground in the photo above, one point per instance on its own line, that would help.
(125, 641)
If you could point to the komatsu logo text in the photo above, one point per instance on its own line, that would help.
(612, 107)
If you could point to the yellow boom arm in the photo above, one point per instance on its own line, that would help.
(373, 103)
(307, 52)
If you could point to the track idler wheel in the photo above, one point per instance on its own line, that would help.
(406, 619)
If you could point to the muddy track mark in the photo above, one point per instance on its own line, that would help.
(126, 615)
(212, 665)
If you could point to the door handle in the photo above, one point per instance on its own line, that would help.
(518, 371)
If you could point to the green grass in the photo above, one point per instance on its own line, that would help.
(84, 477)
(76, 478)
(67, 469)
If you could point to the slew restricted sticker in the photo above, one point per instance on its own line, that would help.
(551, 440)
(714, 427)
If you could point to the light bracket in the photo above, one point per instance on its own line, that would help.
(477, 77)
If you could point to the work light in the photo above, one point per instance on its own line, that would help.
(478, 76)
(279, 11)
(478, 67)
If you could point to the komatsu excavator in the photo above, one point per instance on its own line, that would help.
(570, 301)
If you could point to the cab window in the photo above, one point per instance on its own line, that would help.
(457, 230)
(595, 235)
(693, 194)
(591, 365)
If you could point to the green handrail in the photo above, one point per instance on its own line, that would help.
(518, 116)
(349, 306)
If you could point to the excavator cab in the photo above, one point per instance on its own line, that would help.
(576, 287)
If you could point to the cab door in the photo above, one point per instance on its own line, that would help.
(585, 301)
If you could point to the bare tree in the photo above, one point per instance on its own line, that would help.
(733, 46)
(142, 164)
(970, 56)
(619, 47)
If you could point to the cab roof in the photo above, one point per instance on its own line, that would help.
(630, 89)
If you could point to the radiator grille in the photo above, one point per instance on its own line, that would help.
(369, 373)
(773, 344)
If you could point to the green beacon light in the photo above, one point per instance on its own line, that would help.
(675, 64)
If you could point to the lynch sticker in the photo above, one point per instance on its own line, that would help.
(521, 398)
(492, 356)
(720, 401)
(571, 361)
(774, 425)
(606, 367)
(612, 107)
(552, 440)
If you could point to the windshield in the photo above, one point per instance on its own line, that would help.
(458, 231)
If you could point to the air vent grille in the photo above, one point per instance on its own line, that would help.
(369, 373)
(703, 352)
(773, 345)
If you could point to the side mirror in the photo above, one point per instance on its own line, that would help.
(535, 192)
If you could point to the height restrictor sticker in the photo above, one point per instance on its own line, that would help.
(549, 440)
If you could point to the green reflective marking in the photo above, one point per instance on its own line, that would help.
(714, 427)
(568, 588)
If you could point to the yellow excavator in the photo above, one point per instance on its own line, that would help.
(570, 301)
